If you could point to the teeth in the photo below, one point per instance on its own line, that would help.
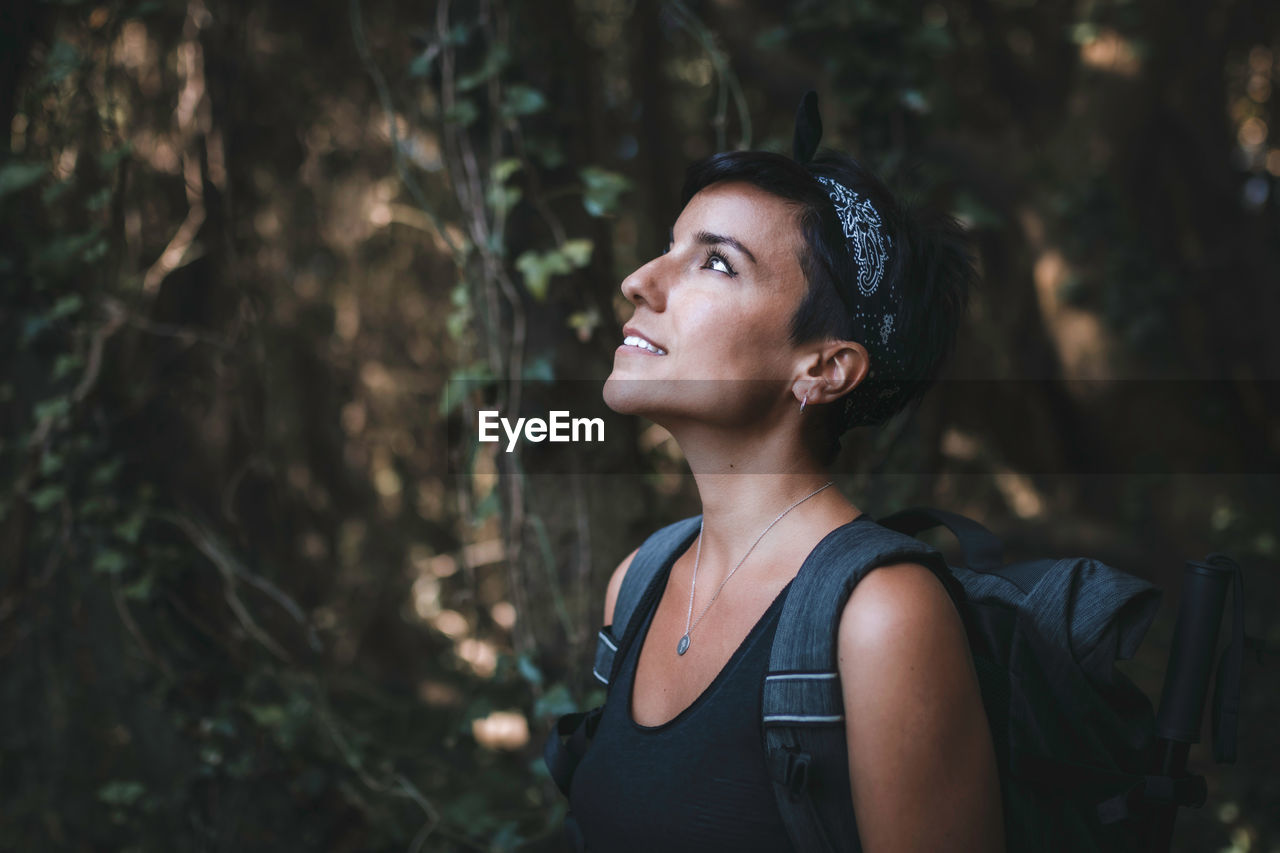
(634, 341)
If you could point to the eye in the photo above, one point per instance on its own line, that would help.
(718, 262)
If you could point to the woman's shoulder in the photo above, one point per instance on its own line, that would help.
(900, 639)
(896, 604)
(912, 701)
(615, 584)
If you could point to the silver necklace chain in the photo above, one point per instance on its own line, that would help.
(683, 645)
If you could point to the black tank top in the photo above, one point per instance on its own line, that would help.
(697, 783)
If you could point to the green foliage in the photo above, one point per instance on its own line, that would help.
(16, 176)
(464, 112)
(602, 190)
(520, 100)
(503, 198)
(121, 793)
(495, 60)
(538, 267)
(245, 606)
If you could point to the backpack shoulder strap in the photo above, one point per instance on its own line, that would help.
(803, 708)
(638, 588)
(569, 740)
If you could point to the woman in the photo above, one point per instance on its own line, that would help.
(795, 300)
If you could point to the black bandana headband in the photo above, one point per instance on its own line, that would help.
(873, 300)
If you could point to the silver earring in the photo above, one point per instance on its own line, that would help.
(804, 403)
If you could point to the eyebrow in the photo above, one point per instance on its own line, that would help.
(706, 238)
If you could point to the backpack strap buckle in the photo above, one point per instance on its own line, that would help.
(790, 767)
(797, 780)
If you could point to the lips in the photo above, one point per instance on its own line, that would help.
(635, 339)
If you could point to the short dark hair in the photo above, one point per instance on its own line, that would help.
(929, 261)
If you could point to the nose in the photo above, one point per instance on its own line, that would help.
(643, 286)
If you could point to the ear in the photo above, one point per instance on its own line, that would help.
(831, 371)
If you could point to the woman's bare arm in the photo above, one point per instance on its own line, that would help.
(921, 762)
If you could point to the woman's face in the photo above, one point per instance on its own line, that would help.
(713, 314)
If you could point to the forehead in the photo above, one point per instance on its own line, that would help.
(761, 221)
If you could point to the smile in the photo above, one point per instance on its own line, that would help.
(636, 341)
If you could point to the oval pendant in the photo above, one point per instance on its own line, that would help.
(683, 645)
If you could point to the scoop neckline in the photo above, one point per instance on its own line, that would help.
(738, 653)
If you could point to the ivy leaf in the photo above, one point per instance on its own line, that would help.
(109, 562)
(267, 716)
(528, 670)
(463, 112)
(105, 473)
(461, 382)
(66, 306)
(457, 322)
(539, 370)
(546, 150)
(601, 190)
(459, 34)
(45, 498)
(554, 703)
(421, 64)
(501, 197)
(131, 528)
(915, 101)
(584, 323)
(521, 100)
(65, 364)
(51, 409)
(494, 62)
(538, 267)
(51, 463)
(139, 590)
(504, 169)
(578, 251)
(121, 793)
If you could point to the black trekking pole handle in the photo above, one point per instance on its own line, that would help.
(1186, 684)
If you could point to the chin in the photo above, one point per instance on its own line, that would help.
(627, 396)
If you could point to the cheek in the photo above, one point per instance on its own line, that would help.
(760, 340)
(743, 336)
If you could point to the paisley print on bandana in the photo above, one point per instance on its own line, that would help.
(862, 228)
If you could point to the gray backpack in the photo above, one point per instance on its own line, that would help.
(1073, 735)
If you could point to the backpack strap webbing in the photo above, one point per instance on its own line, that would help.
(803, 708)
(638, 588)
(568, 741)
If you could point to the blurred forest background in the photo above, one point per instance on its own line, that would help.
(255, 594)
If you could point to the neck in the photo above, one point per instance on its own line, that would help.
(744, 482)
